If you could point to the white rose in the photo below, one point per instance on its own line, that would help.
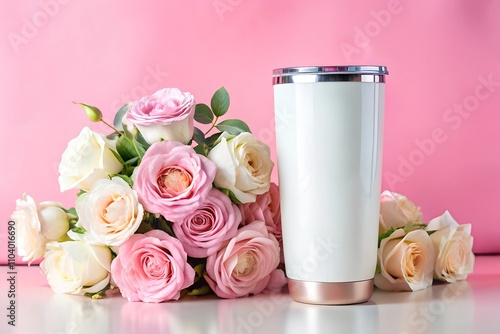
(110, 211)
(406, 261)
(453, 248)
(76, 267)
(36, 225)
(87, 158)
(244, 165)
(54, 220)
(396, 211)
(168, 114)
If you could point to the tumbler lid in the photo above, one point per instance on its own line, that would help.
(306, 74)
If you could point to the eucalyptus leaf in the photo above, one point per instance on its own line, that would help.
(220, 102)
(117, 121)
(203, 114)
(233, 126)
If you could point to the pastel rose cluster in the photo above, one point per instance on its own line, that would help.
(412, 253)
(154, 216)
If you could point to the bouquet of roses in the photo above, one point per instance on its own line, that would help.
(164, 209)
(413, 254)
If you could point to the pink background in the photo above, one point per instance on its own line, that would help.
(106, 53)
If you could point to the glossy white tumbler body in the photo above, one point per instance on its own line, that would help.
(329, 132)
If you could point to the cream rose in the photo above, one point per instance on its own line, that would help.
(87, 159)
(452, 247)
(406, 261)
(244, 165)
(76, 267)
(36, 225)
(110, 211)
(396, 211)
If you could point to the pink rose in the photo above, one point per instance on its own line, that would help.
(243, 266)
(277, 281)
(203, 230)
(168, 114)
(152, 267)
(173, 179)
(266, 208)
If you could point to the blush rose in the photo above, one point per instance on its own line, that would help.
(173, 180)
(152, 267)
(244, 264)
(204, 230)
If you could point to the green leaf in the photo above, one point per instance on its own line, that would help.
(72, 211)
(386, 235)
(127, 133)
(117, 121)
(210, 141)
(77, 229)
(118, 157)
(431, 232)
(99, 294)
(142, 141)
(233, 126)
(220, 102)
(200, 150)
(406, 229)
(81, 192)
(126, 148)
(139, 148)
(124, 178)
(198, 136)
(164, 226)
(231, 195)
(199, 269)
(128, 170)
(144, 227)
(131, 162)
(203, 114)
(203, 290)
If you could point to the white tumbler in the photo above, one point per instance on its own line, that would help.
(329, 129)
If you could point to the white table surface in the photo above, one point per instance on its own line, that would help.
(471, 306)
